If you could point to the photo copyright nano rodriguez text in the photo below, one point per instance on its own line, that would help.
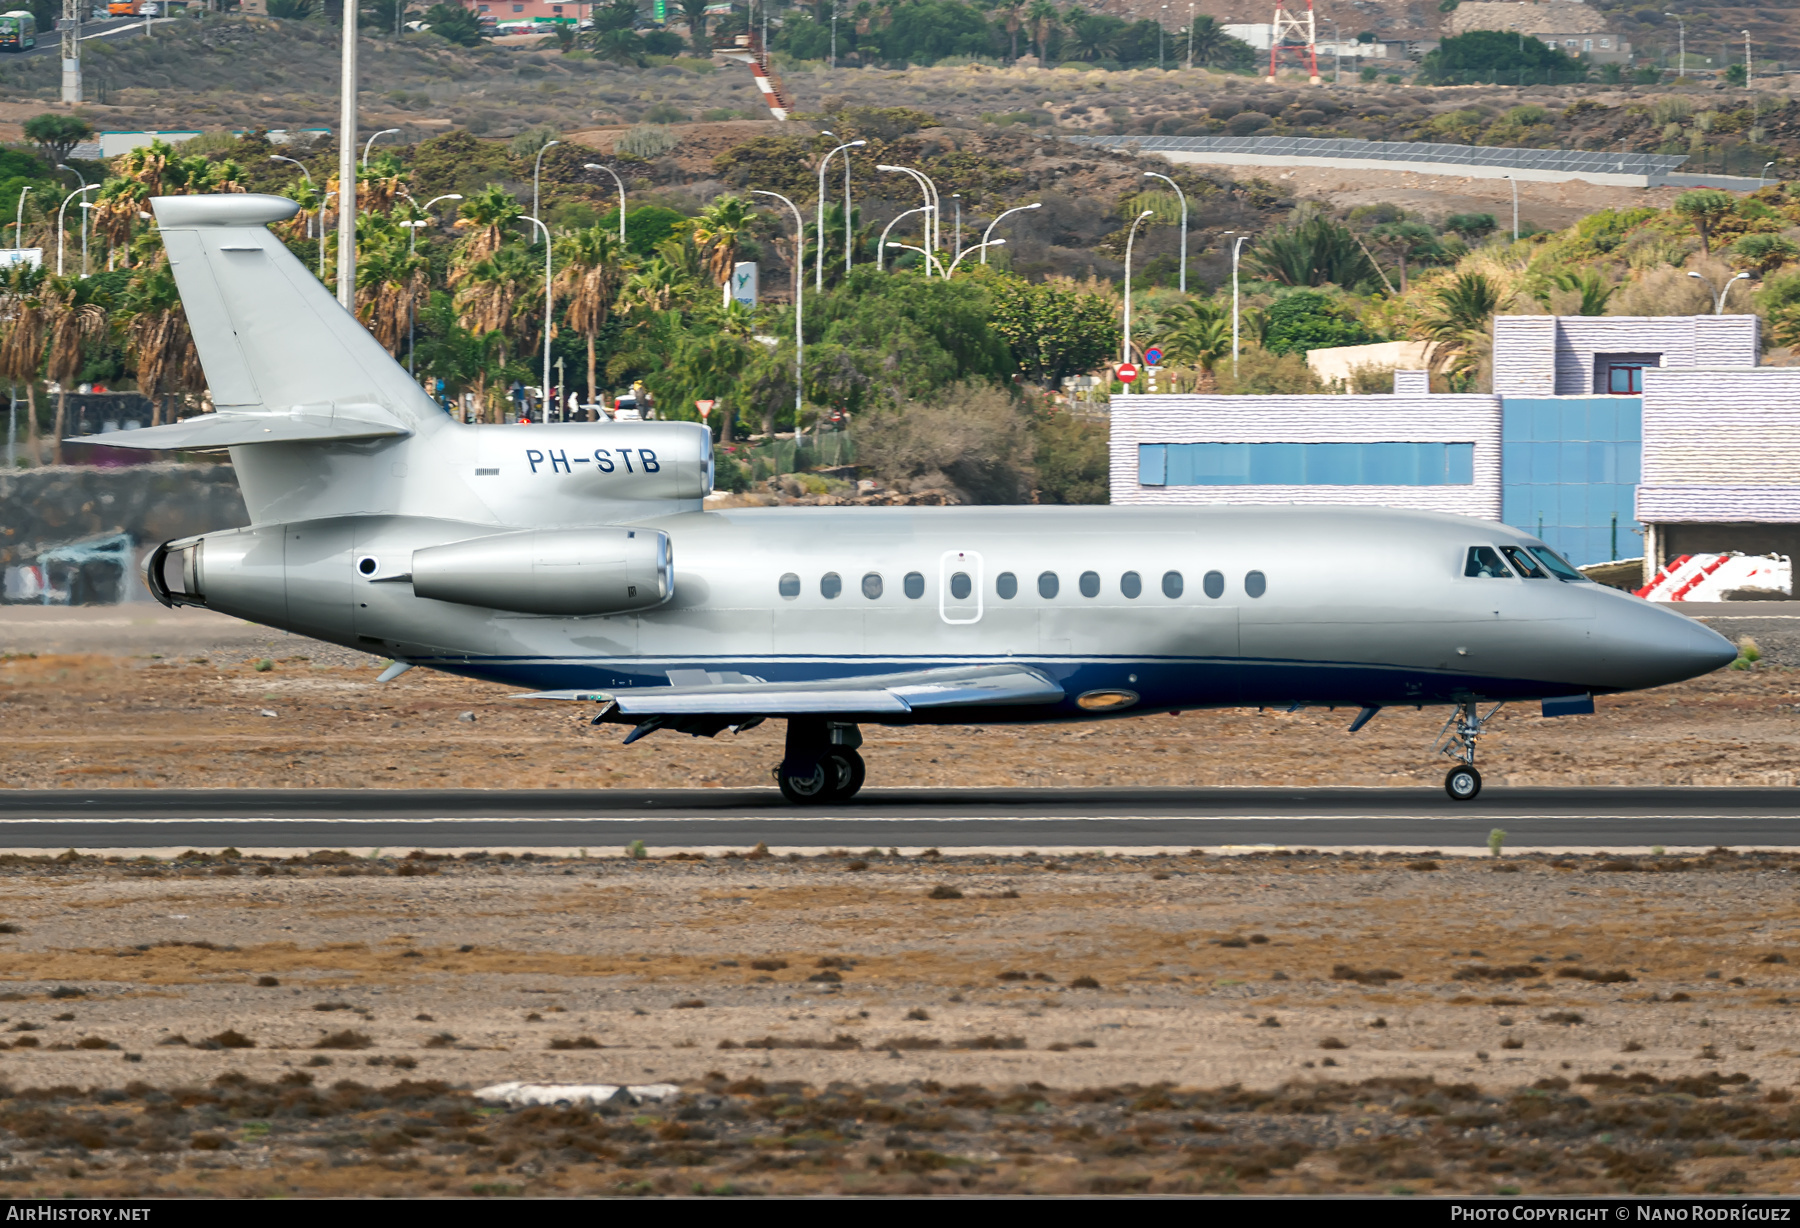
(1630, 1212)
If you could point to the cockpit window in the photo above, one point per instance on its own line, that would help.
(1556, 564)
(1523, 563)
(1485, 561)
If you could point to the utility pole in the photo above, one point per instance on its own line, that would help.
(70, 28)
(1190, 54)
(1681, 23)
(1749, 69)
(834, 8)
(346, 269)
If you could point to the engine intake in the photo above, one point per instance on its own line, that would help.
(551, 571)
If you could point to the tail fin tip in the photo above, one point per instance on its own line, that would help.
(226, 209)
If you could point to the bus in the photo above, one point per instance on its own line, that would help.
(18, 31)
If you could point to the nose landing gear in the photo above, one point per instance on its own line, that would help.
(1457, 740)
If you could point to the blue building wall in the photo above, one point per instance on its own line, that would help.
(1569, 473)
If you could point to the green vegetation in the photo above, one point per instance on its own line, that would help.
(1499, 56)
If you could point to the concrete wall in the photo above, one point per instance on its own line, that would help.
(1311, 419)
(1540, 356)
(57, 505)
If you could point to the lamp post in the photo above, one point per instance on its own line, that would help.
(1719, 302)
(1337, 53)
(548, 312)
(990, 226)
(1237, 248)
(881, 247)
(1162, 27)
(19, 220)
(82, 179)
(819, 264)
(957, 251)
(799, 300)
(321, 218)
(972, 250)
(412, 235)
(1762, 176)
(537, 167)
(59, 223)
(1130, 236)
(1515, 194)
(929, 189)
(1749, 69)
(1183, 197)
(346, 267)
(373, 137)
(1681, 22)
(1190, 54)
(595, 166)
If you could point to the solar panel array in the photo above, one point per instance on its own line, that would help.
(1591, 161)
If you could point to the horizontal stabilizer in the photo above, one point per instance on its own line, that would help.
(979, 685)
(230, 430)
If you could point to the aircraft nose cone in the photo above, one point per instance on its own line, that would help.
(1675, 647)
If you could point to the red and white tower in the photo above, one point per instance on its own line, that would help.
(1293, 36)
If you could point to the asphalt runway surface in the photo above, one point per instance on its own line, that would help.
(1113, 819)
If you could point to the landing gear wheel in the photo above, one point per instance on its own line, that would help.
(847, 773)
(1462, 784)
(805, 784)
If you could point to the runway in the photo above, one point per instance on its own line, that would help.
(1120, 819)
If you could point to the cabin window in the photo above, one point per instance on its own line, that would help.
(1213, 584)
(1556, 565)
(1523, 563)
(961, 586)
(872, 585)
(913, 585)
(1090, 584)
(1256, 584)
(1047, 585)
(1171, 584)
(1007, 585)
(789, 585)
(1131, 584)
(830, 585)
(1484, 562)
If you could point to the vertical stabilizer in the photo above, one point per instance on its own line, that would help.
(270, 336)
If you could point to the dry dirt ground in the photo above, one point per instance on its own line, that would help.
(135, 696)
(869, 1023)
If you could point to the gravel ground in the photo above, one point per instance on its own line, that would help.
(861, 1022)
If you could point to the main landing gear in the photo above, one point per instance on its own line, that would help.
(1457, 740)
(820, 764)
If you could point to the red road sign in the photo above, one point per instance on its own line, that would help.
(705, 407)
(1127, 372)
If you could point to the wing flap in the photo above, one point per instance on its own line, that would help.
(873, 694)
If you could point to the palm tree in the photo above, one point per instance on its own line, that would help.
(1198, 333)
(1596, 292)
(1092, 36)
(695, 13)
(1012, 16)
(390, 280)
(494, 296)
(71, 316)
(718, 231)
(485, 215)
(594, 264)
(1313, 251)
(157, 338)
(22, 342)
(1459, 325)
(1042, 17)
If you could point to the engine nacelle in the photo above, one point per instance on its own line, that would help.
(551, 571)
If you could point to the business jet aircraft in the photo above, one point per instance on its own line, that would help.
(575, 560)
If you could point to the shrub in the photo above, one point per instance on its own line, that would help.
(646, 141)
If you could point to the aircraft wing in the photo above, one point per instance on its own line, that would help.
(952, 687)
(227, 429)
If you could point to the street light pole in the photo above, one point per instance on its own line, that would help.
(321, 217)
(1132, 235)
(1515, 195)
(82, 179)
(1681, 22)
(548, 311)
(1190, 55)
(346, 270)
(1719, 302)
(59, 223)
(819, 269)
(412, 341)
(799, 301)
(1749, 68)
(595, 166)
(881, 247)
(537, 167)
(957, 251)
(1762, 176)
(372, 139)
(1337, 53)
(990, 226)
(933, 226)
(971, 251)
(1237, 248)
(1184, 219)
